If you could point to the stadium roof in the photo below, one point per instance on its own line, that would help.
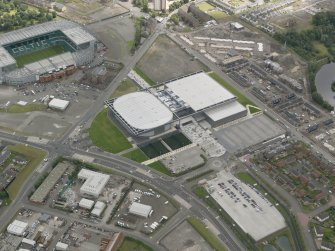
(200, 91)
(73, 30)
(225, 110)
(5, 58)
(142, 110)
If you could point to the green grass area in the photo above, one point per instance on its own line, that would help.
(211, 239)
(136, 155)
(176, 141)
(200, 191)
(320, 49)
(35, 156)
(131, 44)
(125, 87)
(158, 166)
(204, 6)
(241, 98)
(39, 55)
(105, 135)
(14, 108)
(130, 244)
(217, 14)
(253, 109)
(144, 76)
(154, 149)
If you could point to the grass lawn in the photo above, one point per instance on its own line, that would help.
(253, 109)
(39, 55)
(154, 149)
(125, 87)
(130, 244)
(105, 135)
(144, 76)
(200, 191)
(176, 141)
(158, 166)
(206, 234)
(217, 14)
(35, 156)
(240, 97)
(14, 108)
(320, 49)
(204, 6)
(136, 155)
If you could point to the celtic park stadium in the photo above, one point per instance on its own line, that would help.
(44, 52)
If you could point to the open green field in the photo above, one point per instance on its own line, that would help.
(39, 55)
(14, 108)
(217, 14)
(240, 97)
(130, 244)
(35, 156)
(320, 49)
(136, 155)
(253, 109)
(158, 166)
(105, 135)
(206, 234)
(154, 149)
(204, 6)
(125, 87)
(176, 141)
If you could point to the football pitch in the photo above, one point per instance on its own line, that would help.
(39, 55)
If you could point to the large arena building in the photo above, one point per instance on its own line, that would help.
(195, 96)
(44, 52)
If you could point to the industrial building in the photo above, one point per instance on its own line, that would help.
(17, 228)
(78, 49)
(85, 203)
(140, 209)
(58, 104)
(195, 96)
(99, 207)
(94, 182)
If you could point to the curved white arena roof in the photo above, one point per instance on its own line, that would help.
(142, 110)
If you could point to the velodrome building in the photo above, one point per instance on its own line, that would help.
(78, 48)
(196, 96)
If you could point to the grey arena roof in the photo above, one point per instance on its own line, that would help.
(200, 91)
(142, 110)
(5, 58)
(75, 32)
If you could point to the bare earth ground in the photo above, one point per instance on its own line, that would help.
(165, 60)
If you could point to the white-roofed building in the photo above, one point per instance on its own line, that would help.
(28, 242)
(94, 182)
(226, 113)
(85, 203)
(59, 104)
(62, 246)
(200, 91)
(140, 209)
(141, 113)
(17, 227)
(99, 207)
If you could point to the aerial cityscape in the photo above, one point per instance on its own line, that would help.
(167, 125)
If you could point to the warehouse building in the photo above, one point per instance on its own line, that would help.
(17, 228)
(85, 203)
(59, 104)
(94, 182)
(140, 209)
(99, 207)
